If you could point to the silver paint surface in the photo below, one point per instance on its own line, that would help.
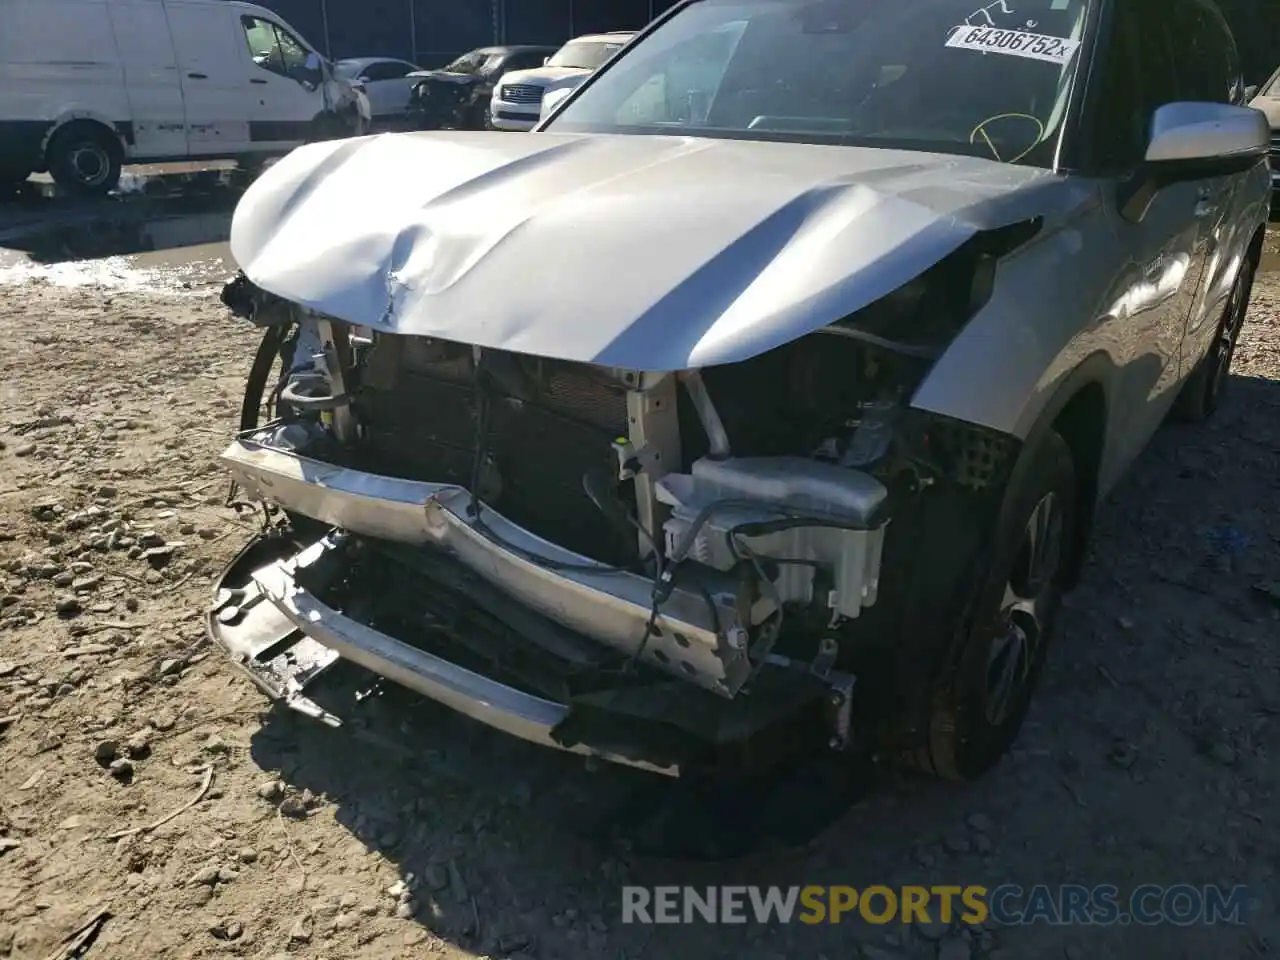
(650, 252)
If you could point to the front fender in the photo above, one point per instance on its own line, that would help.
(1043, 320)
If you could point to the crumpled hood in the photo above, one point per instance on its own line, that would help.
(653, 253)
(443, 76)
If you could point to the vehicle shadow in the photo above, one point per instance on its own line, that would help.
(508, 847)
(150, 212)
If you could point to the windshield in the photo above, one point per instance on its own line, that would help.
(588, 54)
(346, 69)
(944, 75)
(467, 63)
(1272, 87)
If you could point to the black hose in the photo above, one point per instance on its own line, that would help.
(255, 387)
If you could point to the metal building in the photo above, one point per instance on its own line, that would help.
(431, 32)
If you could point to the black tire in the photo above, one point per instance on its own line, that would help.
(85, 159)
(974, 714)
(1202, 394)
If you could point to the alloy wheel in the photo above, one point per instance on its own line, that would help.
(1021, 625)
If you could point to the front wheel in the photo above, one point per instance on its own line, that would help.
(980, 705)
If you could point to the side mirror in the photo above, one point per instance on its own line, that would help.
(1217, 137)
(1195, 141)
(1250, 92)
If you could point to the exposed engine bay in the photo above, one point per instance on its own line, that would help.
(642, 556)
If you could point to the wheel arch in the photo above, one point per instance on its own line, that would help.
(1078, 410)
(87, 118)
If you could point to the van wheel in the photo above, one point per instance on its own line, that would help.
(85, 159)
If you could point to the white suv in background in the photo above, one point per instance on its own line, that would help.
(517, 99)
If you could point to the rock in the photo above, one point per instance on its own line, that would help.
(872, 952)
(1122, 754)
(9, 843)
(158, 557)
(68, 607)
(122, 769)
(980, 822)
(227, 874)
(227, 930)
(106, 751)
(201, 895)
(24, 450)
(435, 876)
(139, 745)
(215, 744)
(293, 807)
(247, 855)
(64, 579)
(1223, 753)
(163, 721)
(398, 889)
(406, 909)
(956, 841)
(302, 929)
(131, 604)
(49, 741)
(932, 929)
(204, 877)
(954, 948)
(7, 668)
(169, 666)
(150, 539)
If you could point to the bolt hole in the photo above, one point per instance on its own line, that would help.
(688, 668)
(661, 657)
(681, 639)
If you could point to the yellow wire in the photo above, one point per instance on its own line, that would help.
(981, 128)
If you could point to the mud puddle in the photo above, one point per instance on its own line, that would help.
(160, 242)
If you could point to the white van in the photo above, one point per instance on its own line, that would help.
(88, 85)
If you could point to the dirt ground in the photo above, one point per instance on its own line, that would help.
(1147, 758)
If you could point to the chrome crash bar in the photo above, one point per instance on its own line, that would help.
(276, 596)
(696, 635)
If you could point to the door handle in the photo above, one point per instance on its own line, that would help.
(197, 76)
(257, 80)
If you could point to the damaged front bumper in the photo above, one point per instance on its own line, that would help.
(555, 623)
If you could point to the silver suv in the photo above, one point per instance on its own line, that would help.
(762, 398)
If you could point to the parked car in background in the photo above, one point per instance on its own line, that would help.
(87, 85)
(386, 82)
(517, 100)
(700, 431)
(457, 95)
(1267, 99)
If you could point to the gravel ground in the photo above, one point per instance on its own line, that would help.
(1146, 758)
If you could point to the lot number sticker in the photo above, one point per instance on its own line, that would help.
(1013, 43)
